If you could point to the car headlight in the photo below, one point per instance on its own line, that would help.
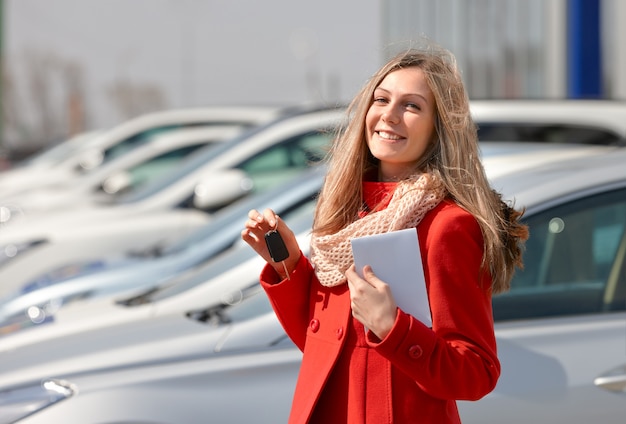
(11, 250)
(20, 402)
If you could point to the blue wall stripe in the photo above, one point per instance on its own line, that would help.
(583, 49)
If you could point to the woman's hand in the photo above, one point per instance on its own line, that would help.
(257, 225)
(371, 301)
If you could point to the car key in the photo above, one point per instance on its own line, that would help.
(276, 246)
(277, 249)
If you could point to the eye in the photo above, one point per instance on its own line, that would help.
(380, 100)
(413, 106)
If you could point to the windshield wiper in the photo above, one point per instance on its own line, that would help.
(216, 314)
(213, 315)
(154, 251)
(139, 299)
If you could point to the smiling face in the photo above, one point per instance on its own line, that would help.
(400, 123)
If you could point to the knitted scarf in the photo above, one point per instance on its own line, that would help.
(331, 255)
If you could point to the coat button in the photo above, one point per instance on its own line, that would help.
(339, 333)
(415, 351)
(314, 325)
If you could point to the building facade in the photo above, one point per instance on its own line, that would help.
(521, 48)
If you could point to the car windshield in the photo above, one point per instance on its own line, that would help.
(203, 273)
(61, 151)
(201, 157)
(300, 221)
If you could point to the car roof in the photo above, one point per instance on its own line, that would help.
(608, 114)
(560, 174)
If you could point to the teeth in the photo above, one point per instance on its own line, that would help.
(388, 136)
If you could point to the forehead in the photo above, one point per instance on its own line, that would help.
(411, 80)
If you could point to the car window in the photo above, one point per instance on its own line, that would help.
(149, 134)
(547, 133)
(135, 140)
(198, 161)
(574, 261)
(148, 170)
(285, 160)
(152, 168)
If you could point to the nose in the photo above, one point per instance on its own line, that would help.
(390, 116)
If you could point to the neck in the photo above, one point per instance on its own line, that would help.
(390, 177)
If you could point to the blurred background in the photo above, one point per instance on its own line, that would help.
(71, 66)
(136, 135)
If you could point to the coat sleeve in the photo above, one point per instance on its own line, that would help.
(456, 359)
(290, 298)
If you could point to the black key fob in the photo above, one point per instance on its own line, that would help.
(276, 246)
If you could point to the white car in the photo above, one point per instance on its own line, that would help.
(171, 207)
(52, 155)
(551, 121)
(127, 172)
(561, 331)
(96, 149)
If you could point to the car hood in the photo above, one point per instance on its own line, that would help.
(20, 181)
(48, 199)
(145, 341)
(165, 339)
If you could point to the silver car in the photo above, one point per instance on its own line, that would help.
(561, 331)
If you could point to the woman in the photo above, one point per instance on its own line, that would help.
(408, 157)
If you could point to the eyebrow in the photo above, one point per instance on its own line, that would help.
(407, 94)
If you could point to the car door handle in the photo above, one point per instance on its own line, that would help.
(614, 380)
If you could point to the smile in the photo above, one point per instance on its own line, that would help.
(388, 136)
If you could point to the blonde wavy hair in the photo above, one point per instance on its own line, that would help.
(453, 155)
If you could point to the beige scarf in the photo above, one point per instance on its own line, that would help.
(331, 255)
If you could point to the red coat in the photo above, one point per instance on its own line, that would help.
(416, 373)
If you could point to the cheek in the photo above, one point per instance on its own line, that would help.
(369, 120)
(370, 124)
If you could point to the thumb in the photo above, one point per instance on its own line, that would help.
(371, 277)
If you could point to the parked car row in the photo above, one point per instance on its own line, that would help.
(95, 148)
(157, 316)
(212, 344)
(168, 208)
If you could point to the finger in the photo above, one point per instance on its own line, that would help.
(271, 218)
(255, 219)
(355, 282)
(254, 215)
(249, 237)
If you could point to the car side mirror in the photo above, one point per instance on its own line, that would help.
(117, 182)
(221, 188)
(90, 159)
